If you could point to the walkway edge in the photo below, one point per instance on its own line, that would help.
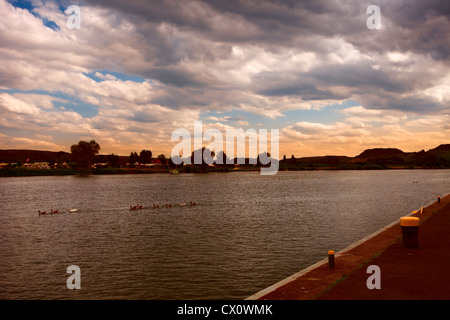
(305, 271)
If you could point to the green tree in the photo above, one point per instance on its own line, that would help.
(163, 159)
(204, 156)
(133, 158)
(145, 156)
(122, 162)
(113, 160)
(222, 159)
(84, 153)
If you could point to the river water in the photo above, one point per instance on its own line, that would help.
(246, 232)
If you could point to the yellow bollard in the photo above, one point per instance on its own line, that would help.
(410, 231)
(331, 259)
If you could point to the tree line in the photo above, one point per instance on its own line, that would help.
(85, 154)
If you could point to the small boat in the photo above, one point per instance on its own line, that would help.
(54, 212)
(193, 203)
(156, 206)
(42, 213)
(73, 210)
(182, 204)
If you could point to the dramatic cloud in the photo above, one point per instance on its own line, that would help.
(137, 70)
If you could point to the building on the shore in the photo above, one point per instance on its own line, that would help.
(37, 165)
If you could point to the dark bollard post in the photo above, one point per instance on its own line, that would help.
(331, 259)
(439, 199)
(410, 231)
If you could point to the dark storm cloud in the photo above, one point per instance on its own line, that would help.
(276, 84)
(413, 102)
(416, 24)
(272, 20)
(176, 77)
(414, 13)
(410, 26)
(142, 117)
(358, 77)
(413, 24)
(202, 33)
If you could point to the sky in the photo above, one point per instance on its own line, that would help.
(136, 71)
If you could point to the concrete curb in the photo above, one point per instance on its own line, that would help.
(324, 262)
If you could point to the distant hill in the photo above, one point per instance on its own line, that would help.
(442, 147)
(380, 153)
(438, 157)
(22, 156)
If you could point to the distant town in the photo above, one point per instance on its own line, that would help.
(87, 160)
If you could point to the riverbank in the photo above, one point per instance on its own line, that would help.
(405, 273)
(27, 172)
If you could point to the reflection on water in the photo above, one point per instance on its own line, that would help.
(247, 232)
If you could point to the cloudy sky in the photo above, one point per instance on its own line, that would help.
(138, 70)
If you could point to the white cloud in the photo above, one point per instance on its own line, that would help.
(14, 105)
(362, 115)
(204, 57)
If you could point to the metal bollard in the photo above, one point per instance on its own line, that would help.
(410, 231)
(439, 199)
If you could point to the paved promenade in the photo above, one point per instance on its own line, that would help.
(405, 273)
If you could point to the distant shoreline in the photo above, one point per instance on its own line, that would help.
(25, 172)
(16, 163)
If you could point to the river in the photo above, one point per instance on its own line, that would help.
(246, 232)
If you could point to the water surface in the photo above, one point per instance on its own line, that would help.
(247, 232)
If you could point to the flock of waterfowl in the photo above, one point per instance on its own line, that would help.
(51, 212)
(136, 207)
(166, 205)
